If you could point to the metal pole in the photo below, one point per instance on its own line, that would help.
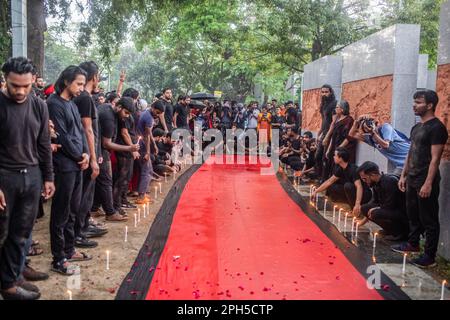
(19, 27)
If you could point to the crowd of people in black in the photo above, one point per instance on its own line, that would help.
(92, 151)
(404, 202)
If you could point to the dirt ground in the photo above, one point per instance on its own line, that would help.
(94, 281)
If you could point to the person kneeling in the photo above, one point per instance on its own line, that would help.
(345, 185)
(387, 207)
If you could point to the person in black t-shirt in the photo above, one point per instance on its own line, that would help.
(181, 113)
(387, 206)
(345, 184)
(70, 160)
(109, 116)
(26, 171)
(421, 178)
(88, 112)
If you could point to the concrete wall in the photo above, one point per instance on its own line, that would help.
(443, 111)
(380, 76)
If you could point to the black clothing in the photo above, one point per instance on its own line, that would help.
(327, 109)
(25, 136)
(168, 114)
(348, 174)
(128, 124)
(423, 136)
(182, 116)
(71, 137)
(423, 216)
(346, 192)
(22, 192)
(87, 109)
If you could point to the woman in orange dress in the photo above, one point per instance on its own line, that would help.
(264, 129)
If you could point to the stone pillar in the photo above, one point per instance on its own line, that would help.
(379, 78)
(19, 27)
(326, 70)
(443, 112)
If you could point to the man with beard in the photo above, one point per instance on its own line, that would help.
(421, 179)
(167, 118)
(26, 171)
(327, 107)
(38, 87)
(70, 161)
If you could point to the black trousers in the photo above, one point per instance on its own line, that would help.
(423, 216)
(319, 159)
(124, 170)
(22, 192)
(65, 205)
(347, 193)
(87, 199)
(394, 222)
(104, 189)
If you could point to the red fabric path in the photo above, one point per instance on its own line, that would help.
(236, 234)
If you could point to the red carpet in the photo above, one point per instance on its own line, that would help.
(236, 235)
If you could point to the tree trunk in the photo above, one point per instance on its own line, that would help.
(35, 33)
(5, 30)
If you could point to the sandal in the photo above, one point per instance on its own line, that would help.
(63, 268)
(83, 257)
(35, 243)
(34, 251)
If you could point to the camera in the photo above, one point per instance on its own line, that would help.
(366, 122)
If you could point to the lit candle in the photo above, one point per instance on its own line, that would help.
(107, 259)
(135, 220)
(334, 213)
(443, 289)
(375, 240)
(139, 215)
(404, 263)
(317, 201)
(160, 188)
(165, 177)
(339, 219)
(156, 192)
(353, 225)
(345, 222)
(70, 294)
(145, 211)
(325, 207)
(310, 192)
(356, 231)
(126, 234)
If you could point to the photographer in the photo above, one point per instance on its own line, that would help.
(390, 142)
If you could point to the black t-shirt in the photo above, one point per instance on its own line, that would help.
(24, 135)
(182, 115)
(87, 109)
(327, 109)
(423, 136)
(311, 160)
(168, 114)
(291, 116)
(348, 174)
(107, 121)
(128, 124)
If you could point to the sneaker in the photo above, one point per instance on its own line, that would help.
(424, 262)
(405, 248)
(122, 212)
(85, 243)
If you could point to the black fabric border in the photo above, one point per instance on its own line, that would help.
(140, 274)
(360, 260)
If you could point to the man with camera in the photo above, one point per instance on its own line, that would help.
(391, 143)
